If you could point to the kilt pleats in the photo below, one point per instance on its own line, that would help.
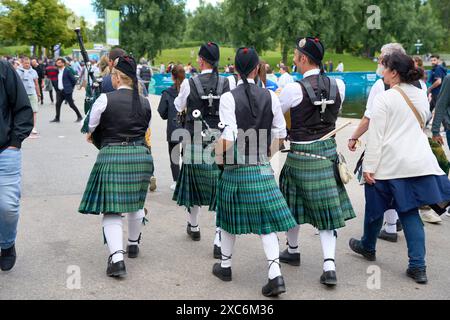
(310, 188)
(119, 181)
(249, 201)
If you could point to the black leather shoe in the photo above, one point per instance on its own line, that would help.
(55, 121)
(133, 251)
(419, 275)
(391, 237)
(399, 226)
(117, 269)
(8, 258)
(292, 259)
(329, 278)
(223, 274)
(195, 235)
(274, 287)
(217, 252)
(357, 247)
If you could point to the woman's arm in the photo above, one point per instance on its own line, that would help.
(375, 137)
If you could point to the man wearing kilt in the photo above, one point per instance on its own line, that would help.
(248, 198)
(119, 181)
(308, 180)
(197, 181)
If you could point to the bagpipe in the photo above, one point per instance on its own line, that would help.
(93, 90)
(210, 135)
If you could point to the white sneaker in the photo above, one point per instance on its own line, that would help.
(430, 217)
(173, 186)
(34, 131)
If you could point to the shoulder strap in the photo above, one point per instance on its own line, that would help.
(411, 105)
(309, 89)
(220, 86)
(333, 89)
(198, 86)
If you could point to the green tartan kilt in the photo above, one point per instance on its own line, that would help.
(249, 201)
(197, 182)
(119, 180)
(310, 188)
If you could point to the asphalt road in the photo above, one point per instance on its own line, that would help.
(61, 253)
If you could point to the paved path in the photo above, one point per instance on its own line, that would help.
(54, 239)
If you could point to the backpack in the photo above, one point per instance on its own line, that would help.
(146, 74)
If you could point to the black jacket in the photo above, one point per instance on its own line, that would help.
(168, 111)
(16, 115)
(69, 81)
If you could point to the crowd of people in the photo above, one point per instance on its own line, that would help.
(226, 131)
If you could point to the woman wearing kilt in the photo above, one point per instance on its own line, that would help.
(119, 181)
(308, 179)
(248, 198)
(400, 169)
(198, 178)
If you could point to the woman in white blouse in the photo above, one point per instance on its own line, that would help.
(400, 169)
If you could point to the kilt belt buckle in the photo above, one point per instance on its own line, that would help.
(300, 153)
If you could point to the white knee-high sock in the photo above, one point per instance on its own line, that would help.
(292, 238)
(228, 241)
(272, 251)
(113, 231)
(193, 217)
(135, 222)
(391, 218)
(218, 231)
(328, 239)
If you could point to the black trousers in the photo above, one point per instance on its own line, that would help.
(41, 91)
(174, 154)
(60, 97)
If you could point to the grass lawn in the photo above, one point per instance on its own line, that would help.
(183, 55)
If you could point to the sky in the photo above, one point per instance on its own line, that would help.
(84, 8)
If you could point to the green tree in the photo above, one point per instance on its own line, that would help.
(206, 24)
(291, 19)
(147, 26)
(248, 23)
(41, 23)
(441, 9)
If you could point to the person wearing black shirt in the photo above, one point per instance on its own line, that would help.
(41, 75)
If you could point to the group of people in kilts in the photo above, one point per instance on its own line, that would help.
(230, 136)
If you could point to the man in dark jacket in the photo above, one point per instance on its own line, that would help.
(64, 90)
(16, 123)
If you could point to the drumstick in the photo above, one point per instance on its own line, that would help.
(332, 133)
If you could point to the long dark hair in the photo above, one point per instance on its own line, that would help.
(405, 67)
(178, 75)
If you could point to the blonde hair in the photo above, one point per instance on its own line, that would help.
(104, 66)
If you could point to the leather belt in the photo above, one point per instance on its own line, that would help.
(137, 143)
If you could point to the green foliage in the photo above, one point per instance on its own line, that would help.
(248, 23)
(206, 24)
(147, 26)
(41, 23)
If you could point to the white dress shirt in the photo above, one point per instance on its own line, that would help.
(396, 145)
(227, 113)
(292, 95)
(99, 107)
(379, 87)
(232, 81)
(284, 80)
(60, 79)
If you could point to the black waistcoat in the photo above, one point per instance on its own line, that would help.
(118, 124)
(254, 136)
(209, 82)
(307, 122)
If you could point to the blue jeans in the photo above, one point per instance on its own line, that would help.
(10, 178)
(414, 234)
